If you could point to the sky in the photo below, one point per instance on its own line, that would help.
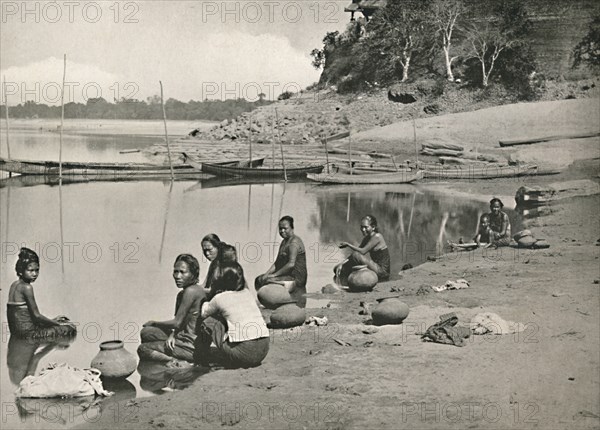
(198, 49)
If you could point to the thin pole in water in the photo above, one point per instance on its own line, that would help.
(281, 147)
(7, 124)
(250, 141)
(62, 117)
(326, 154)
(415, 139)
(166, 134)
(350, 153)
(273, 142)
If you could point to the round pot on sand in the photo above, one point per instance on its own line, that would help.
(113, 360)
(362, 279)
(271, 296)
(389, 311)
(287, 315)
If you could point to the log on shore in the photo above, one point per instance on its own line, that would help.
(449, 146)
(514, 142)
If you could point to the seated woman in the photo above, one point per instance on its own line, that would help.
(233, 322)
(227, 255)
(211, 244)
(372, 252)
(24, 318)
(173, 340)
(499, 224)
(290, 264)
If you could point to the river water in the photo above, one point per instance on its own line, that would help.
(120, 239)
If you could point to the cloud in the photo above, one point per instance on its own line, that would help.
(215, 66)
(41, 82)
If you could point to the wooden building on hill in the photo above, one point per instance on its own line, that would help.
(366, 7)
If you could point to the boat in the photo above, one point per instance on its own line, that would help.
(53, 180)
(375, 178)
(335, 168)
(93, 169)
(196, 163)
(260, 172)
(489, 172)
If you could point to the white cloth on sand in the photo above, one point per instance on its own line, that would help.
(488, 322)
(459, 284)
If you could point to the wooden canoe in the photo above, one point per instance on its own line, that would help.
(375, 178)
(489, 172)
(92, 169)
(258, 172)
(197, 163)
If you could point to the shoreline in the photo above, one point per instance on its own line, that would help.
(386, 377)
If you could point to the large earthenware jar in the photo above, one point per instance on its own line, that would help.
(362, 279)
(389, 311)
(271, 296)
(287, 315)
(113, 360)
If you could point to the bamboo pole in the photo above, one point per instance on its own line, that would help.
(348, 209)
(326, 155)
(250, 141)
(273, 142)
(62, 239)
(166, 134)
(350, 154)
(281, 147)
(415, 139)
(7, 124)
(62, 117)
(249, 203)
(164, 232)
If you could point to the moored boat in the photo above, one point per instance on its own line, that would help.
(258, 172)
(92, 169)
(464, 172)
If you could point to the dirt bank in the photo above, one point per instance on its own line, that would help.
(545, 377)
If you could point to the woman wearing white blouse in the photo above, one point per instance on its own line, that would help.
(237, 327)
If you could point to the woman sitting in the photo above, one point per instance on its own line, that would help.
(211, 244)
(24, 317)
(499, 224)
(372, 252)
(173, 340)
(233, 322)
(290, 265)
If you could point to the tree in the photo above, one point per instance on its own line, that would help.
(402, 30)
(445, 16)
(587, 52)
(502, 40)
(486, 43)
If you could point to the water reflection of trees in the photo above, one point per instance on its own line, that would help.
(414, 224)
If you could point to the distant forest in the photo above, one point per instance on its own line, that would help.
(99, 108)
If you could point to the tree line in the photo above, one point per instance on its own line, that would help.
(406, 39)
(99, 108)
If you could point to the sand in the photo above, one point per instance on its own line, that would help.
(546, 377)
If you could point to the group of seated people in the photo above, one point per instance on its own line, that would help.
(222, 311)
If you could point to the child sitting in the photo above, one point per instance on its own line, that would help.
(484, 234)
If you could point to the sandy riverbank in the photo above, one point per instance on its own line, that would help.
(545, 377)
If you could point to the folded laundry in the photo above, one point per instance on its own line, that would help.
(451, 285)
(488, 322)
(446, 331)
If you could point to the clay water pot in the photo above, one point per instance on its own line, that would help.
(521, 234)
(287, 315)
(362, 279)
(526, 241)
(389, 311)
(271, 296)
(114, 361)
